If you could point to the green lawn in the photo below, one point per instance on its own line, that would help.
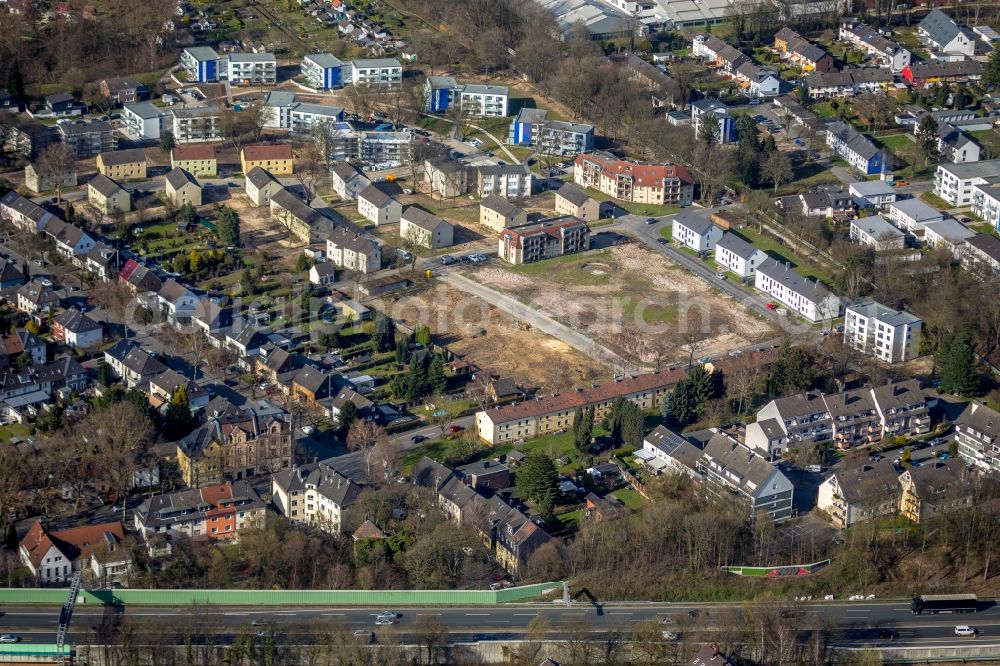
(630, 498)
(570, 520)
(13, 430)
(568, 269)
(935, 200)
(433, 450)
(667, 232)
(783, 253)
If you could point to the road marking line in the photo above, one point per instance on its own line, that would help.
(477, 614)
(497, 621)
(429, 614)
(329, 614)
(525, 614)
(619, 613)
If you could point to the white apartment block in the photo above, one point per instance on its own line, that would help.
(892, 336)
(252, 69)
(377, 72)
(803, 296)
(738, 256)
(912, 214)
(986, 203)
(484, 101)
(695, 232)
(196, 124)
(955, 182)
(142, 120)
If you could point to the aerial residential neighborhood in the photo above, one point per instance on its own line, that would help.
(577, 332)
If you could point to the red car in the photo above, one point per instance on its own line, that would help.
(771, 306)
(455, 428)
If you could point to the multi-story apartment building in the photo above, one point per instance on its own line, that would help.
(532, 128)
(89, 139)
(986, 202)
(443, 92)
(726, 132)
(854, 418)
(892, 336)
(277, 158)
(323, 71)
(376, 72)
(252, 69)
(283, 111)
(787, 421)
(732, 468)
(236, 442)
(934, 488)
(982, 255)
(23, 213)
(531, 418)
(378, 207)
(201, 64)
(510, 181)
(955, 183)
(314, 494)
(856, 493)
(122, 165)
(197, 124)
(354, 251)
(199, 161)
(977, 434)
(802, 295)
(497, 213)
(903, 409)
(694, 231)
(142, 120)
(217, 512)
(544, 240)
(634, 181)
(875, 232)
(385, 150)
(738, 256)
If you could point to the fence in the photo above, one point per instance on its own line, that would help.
(54, 597)
(777, 572)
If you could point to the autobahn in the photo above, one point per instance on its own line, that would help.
(847, 624)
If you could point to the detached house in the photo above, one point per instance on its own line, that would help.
(572, 200)
(107, 196)
(36, 299)
(293, 214)
(695, 232)
(123, 164)
(182, 188)
(945, 37)
(424, 229)
(75, 329)
(347, 180)
(497, 214)
(98, 550)
(378, 207)
(276, 159)
(354, 251)
(198, 160)
(261, 186)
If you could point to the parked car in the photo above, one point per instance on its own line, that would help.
(447, 260)
(454, 428)
(416, 439)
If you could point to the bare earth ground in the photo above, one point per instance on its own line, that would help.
(490, 339)
(634, 301)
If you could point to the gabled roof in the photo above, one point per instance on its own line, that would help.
(738, 464)
(421, 218)
(131, 156)
(988, 244)
(867, 482)
(177, 178)
(375, 196)
(793, 281)
(500, 205)
(77, 322)
(573, 193)
(274, 151)
(259, 178)
(939, 27)
(193, 151)
(104, 185)
(696, 223)
(72, 543)
(981, 419)
(736, 245)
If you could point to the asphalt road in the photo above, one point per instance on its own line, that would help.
(850, 623)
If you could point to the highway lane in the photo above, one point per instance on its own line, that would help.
(851, 622)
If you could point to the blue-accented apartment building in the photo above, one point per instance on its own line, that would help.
(440, 93)
(856, 149)
(727, 124)
(532, 127)
(323, 71)
(201, 63)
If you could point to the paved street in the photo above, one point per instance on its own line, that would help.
(851, 623)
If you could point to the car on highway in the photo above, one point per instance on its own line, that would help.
(257, 622)
(364, 635)
(671, 635)
(888, 634)
(261, 634)
(965, 630)
(10, 638)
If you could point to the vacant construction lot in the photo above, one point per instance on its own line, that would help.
(634, 302)
(492, 340)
